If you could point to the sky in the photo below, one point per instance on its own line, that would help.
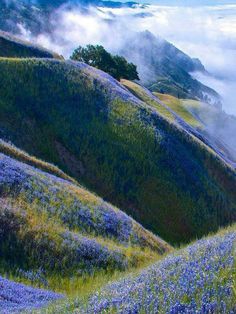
(207, 32)
(188, 2)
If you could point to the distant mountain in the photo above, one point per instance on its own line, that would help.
(166, 69)
(34, 15)
(14, 14)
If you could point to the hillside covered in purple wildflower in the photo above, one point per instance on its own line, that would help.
(87, 167)
(15, 297)
(197, 279)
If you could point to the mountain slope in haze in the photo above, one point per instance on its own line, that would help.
(164, 68)
(11, 46)
(212, 122)
(116, 145)
(15, 14)
(35, 15)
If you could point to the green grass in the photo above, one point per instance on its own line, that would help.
(39, 245)
(144, 95)
(61, 227)
(116, 145)
(85, 287)
(177, 105)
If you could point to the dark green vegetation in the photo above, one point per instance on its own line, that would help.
(82, 120)
(13, 47)
(98, 57)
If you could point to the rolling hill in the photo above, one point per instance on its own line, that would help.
(213, 123)
(117, 145)
(29, 196)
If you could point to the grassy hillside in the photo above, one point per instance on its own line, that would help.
(85, 122)
(59, 236)
(146, 96)
(177, 106)
(13, 47)
(197, 279)
(33, 201)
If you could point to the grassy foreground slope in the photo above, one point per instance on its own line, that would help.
(87, 123)
(48, 222)
(20, 155)
(55, 234)
(200, 278)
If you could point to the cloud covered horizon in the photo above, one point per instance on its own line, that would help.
(204, 32)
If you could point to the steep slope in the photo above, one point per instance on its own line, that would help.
(84, 121)
(14, 152)
(13, 47)
(164, 68)
(206, 122)
(35, 15)
(213, 124)
(197, 279)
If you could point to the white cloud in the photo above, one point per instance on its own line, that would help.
(208, 33)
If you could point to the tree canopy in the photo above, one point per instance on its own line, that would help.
(98, 57)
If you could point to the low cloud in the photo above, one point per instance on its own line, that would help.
(208, 33)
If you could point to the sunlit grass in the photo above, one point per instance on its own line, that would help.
(178, 107)
(146, 96)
